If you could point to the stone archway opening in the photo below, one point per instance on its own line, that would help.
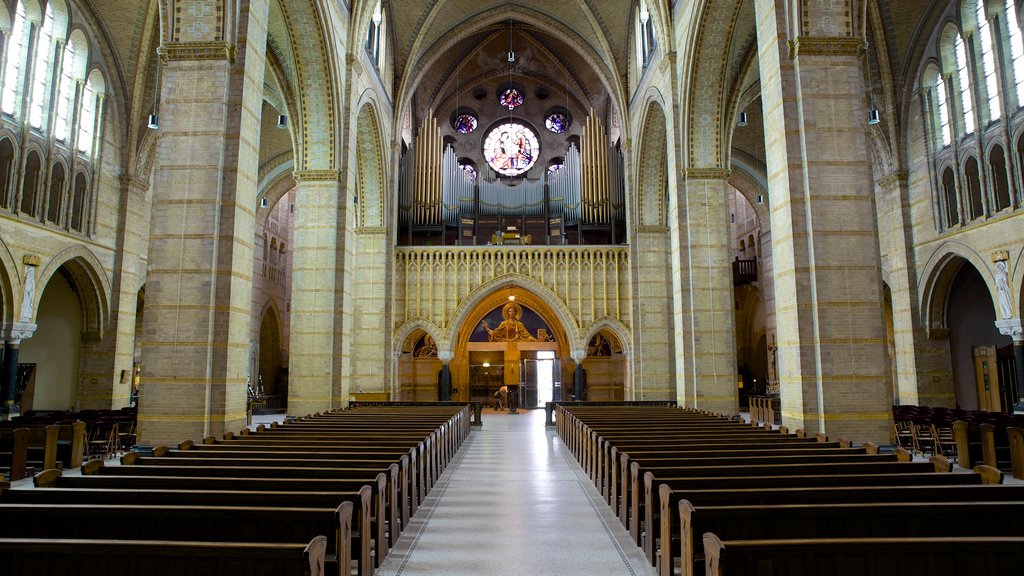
(418, 368)
(605, 368)
(55, 347)
(512, 338)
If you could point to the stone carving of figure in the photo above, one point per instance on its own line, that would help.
(510, 329)
(1003, 291)
(28, 296)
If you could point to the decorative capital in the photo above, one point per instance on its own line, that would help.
(17, 331)
(317, 176)
(707, 173)
(825, 46)
(1000, 256)
(889, 180)
(578, 355)
(31, 260)
(196, 52)
(445, 356)
(1012, 328)
(134, 183)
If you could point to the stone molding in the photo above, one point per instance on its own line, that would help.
(651, 229)
(31, 260)
(898, 177)
(134, 183)
(707, 173)
(196, 51)
(825, 46)
(1012, 327)
(17, 331)
(317, 176)
(372, 230)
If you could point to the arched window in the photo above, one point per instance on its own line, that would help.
(988, 63)
(973, 176)
(30, 185)
(376, 38)
(1016, 42)
(15, 60)
(967, 100)
(41, 71)
(78, 203)
(644, 35)
(1000, 182)
(6, 163)
(943, 111)
(71, 71)
(55, 200)
(88, 126)
(949, 191)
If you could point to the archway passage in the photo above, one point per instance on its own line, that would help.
(418, 368)
(54, 347)
(512, 338)
(605, 368)
(269, 377)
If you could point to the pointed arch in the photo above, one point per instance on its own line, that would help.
(618, 329)
(415, 325)
(91, 284)
(369, 145)
(652, 166)
(939, 273)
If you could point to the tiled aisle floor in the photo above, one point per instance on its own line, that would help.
(514, 502)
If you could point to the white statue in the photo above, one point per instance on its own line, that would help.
(1003, 291)
(28, 296)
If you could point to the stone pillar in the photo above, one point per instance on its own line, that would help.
(446, 357)
(100, 383)
(653, 336)
(829, 314)
(313, 337)
(12, 335)
(199, 296)
(710, 326)
(579, 376)
(367, 266)
(923, 375)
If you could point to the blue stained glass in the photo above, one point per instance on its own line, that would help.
(465, 123)
(555, 168)
(469, 172)
(511, 99)
(557, 122)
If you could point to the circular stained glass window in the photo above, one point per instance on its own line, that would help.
(511, 149)
(464, 123)
(511, 99)
(468, 171)
(557, 122)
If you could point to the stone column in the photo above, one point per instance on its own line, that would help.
(923, 375)
(313, 336)
(100, 385)
(710, 334)
(446, 377)
(199, 296)
(1014, 328)
(825, 241)
(12, 335)
(579, 376)
(653, 336)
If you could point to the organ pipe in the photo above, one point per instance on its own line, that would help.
(427, 196)
(595, 185)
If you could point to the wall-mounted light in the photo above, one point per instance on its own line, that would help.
(282, 121)
(512, 298)
(154, 122)
(742, 120)
(874, 117)
(759, 199)
(263, 202)
(486, 364)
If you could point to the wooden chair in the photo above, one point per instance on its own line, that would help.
(924, 442)
(945, 443)
(904, 433)
(103, 440)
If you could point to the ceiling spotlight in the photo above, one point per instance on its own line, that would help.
(511, 56)
(154, 122)
(742, 121)
(874, 117)
(282, 121)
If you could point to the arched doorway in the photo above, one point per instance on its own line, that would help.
(270, 352)
(512, 338)
(54, 347)
(418, 368)
(605, 367)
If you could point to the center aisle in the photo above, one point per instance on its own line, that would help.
(514, 502)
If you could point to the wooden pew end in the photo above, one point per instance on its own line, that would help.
(845, 442)
(783, 430)
(183, 445)
(902, 455)
(989, 475)
(46, 478)
(92, 467)
(942, 464)
(129, 458)
(210, 440)
(871, 448)
(162, 450)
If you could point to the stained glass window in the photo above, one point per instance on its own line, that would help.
(464, 123)
(557, 122)
(555, 168)
(511, 99)
(468, 171)
(511, 149)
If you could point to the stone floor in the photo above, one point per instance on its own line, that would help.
(514, 502)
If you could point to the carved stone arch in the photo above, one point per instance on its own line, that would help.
(275, 187)
(705, 86)
(538, 290)
(368, 142)
(10, 278)
(652, 167)
(939, 273)
(947, 39)
(612, 325)
(750, 187)
(419, 324)
(91, 284)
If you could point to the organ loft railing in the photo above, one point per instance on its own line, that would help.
(580, 201)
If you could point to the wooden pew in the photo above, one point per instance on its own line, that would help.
(14, 452)
(858, 556)
(362, 550)
(371, 525)
(23, 556)
(187, 523)
(835, 520)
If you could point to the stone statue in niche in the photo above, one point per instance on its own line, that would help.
(28, 296)
(1003, 291)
